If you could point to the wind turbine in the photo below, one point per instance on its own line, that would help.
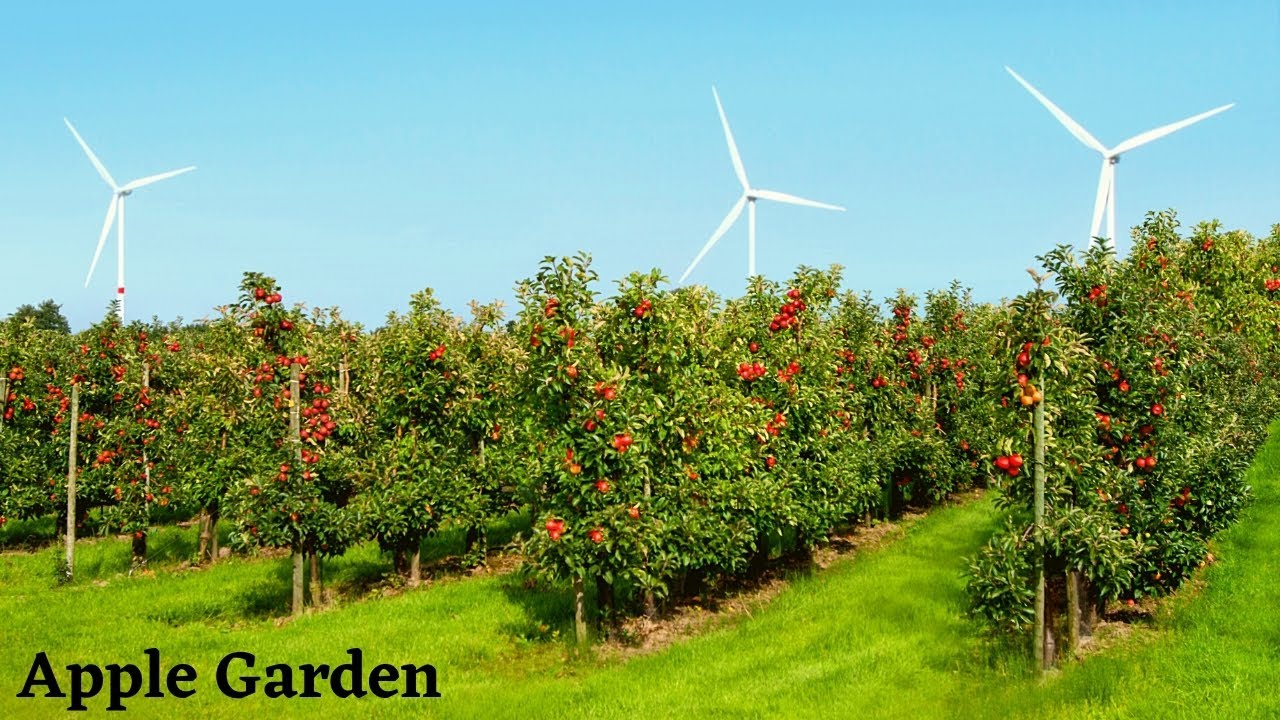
(748, 198)
(118, 194)
(1106, 198)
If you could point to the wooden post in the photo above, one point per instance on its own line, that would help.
(215, 512)
(295, 413)
(140, 543)
(295, 438)
(1073, 612)
(476, 550)
(579, 611)
(146, 467)
(1042, 662)
(71, 483)
(206, 534)
(4, 398)
(317, 588)
(208, 548)
(650, 605)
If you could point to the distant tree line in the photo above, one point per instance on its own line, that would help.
(47, 316)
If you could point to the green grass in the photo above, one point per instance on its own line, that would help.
(878, 635)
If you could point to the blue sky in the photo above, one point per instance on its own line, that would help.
(362, 153)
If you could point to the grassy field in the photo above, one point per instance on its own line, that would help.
(878, 635)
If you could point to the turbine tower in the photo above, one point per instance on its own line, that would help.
(1106, 197)
(748, 198)
(118, 194)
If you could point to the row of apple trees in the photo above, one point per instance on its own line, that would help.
(665, 440)
(1158, 378)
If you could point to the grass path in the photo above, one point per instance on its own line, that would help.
(879, 635)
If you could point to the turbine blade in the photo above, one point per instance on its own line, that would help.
(729, 219)
(733, 148)
(143, 182)
(1148, 136)
(1071, 125)
(792, 199)
(1100, 203)
(102, 170)
(102, 238)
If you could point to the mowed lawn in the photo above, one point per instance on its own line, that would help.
(881, 634)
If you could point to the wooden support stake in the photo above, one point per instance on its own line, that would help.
(71, 483)
(650, 604)
(140, 544)
(1042, 662)
(295, 438)
(4, 398)
(146, 385)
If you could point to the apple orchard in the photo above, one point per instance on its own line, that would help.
(663, 441)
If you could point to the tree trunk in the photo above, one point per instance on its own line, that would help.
(205, 551)
(760, 559)
(604, 598)
(202, 545)
(299, 578)
(215, 513)
(695, 581)
(415, 567)
(1050, 643)
(317, 586)
(579, 611)
(1091, 610)
(477, 546)
(897, 501)
(212, 513)
(139, 550)
(1074, 617)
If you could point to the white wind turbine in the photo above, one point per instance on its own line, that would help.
(1106, 198)
(119, 193)
(749, 197)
